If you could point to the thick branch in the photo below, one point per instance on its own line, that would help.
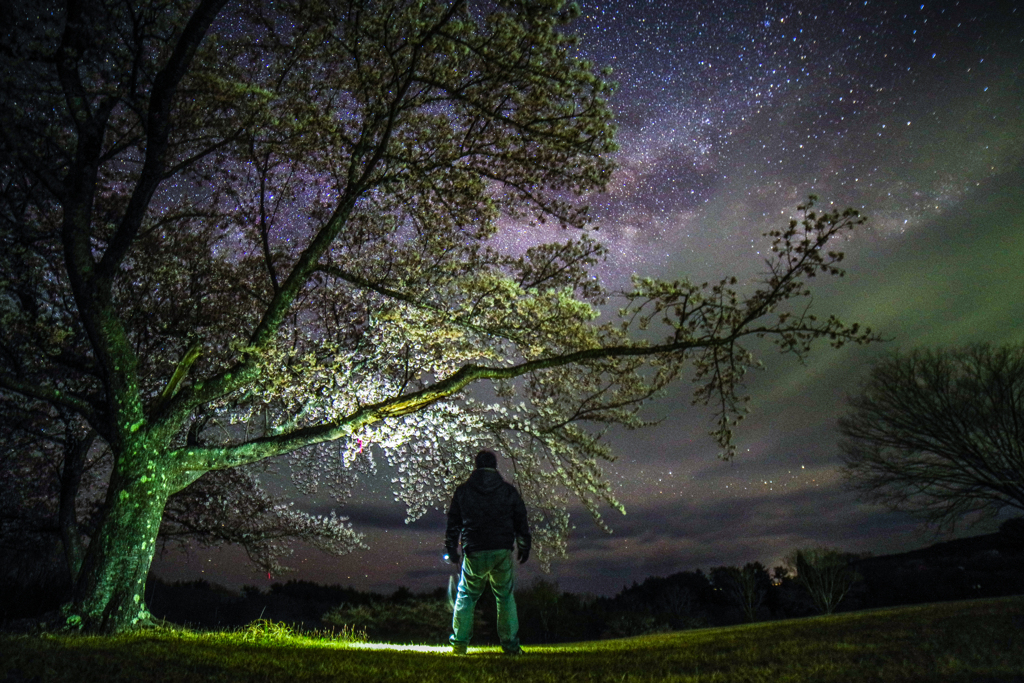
(158, 128)
(180, 373)
(383, 290)
(52, 396)
(220, 457)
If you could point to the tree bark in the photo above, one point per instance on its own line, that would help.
(109, 593)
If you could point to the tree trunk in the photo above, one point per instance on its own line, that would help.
(109, 593)
(75, 452)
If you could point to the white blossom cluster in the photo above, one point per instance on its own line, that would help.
(231, 506)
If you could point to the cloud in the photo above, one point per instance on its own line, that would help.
(670, 536)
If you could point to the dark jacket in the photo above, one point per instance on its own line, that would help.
(488, 513)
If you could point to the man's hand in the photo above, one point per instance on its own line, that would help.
(523, 555)
(453, 557)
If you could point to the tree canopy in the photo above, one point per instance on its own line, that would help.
(938, 433)
(238, 232)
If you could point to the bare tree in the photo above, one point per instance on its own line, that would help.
(825, 573)
(746, 587)
(940, 433)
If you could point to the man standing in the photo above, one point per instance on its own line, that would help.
(489, 515)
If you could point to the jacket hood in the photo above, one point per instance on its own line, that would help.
(485, 479)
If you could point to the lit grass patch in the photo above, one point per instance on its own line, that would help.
(969, 641)
(266, 631)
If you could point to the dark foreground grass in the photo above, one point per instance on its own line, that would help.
(977, 641)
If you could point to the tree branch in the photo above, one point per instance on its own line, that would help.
(219, 457)
(158, 128)
(49, 395)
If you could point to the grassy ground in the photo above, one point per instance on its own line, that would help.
(975, 641)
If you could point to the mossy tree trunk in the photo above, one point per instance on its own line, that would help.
(109, 593)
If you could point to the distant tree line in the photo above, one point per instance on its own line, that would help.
(811, 581)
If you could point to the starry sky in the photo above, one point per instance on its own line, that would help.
(730, 113)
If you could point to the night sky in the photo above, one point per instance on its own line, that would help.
(730, 114)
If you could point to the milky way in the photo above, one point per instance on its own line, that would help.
(729, 115)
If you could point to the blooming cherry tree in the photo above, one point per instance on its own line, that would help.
(239, 232)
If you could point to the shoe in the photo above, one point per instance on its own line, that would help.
(458, 651)
(515, 653)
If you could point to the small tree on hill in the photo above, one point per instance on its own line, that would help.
(745, 587)
(825, 573)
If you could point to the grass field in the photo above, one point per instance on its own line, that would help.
(978, 641)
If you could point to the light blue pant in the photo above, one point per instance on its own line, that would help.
(479, 569)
